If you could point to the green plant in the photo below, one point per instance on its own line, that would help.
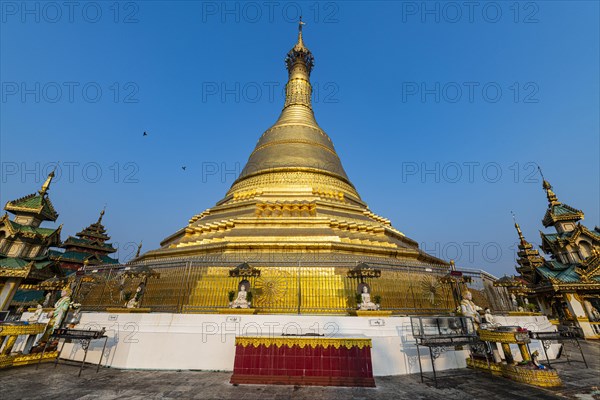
(531, 307)
(358, 298)
(231, 295)
(249, 297)
(377, 299)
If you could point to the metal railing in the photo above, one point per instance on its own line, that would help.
(290, 287)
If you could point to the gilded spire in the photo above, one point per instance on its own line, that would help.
(101, 215)
(295, 145)
(300, 53)
(521, 237)
(557, 211)
(300, 43)
(46, 184)
(299, 62)
(552, 199)
(528, 257)
(518, 228)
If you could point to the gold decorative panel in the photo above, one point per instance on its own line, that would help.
(281, 287)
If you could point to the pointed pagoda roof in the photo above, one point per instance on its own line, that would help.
(80, 257)
(37, 204)
(87, 243)
(51, 235)
(554, 242)
(296, 143)
(558, 211)
(95, 230)
(529, 258)
(93, 237)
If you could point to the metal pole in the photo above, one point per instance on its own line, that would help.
(181, 286)
(419, 357)
(299, 290)
(457, 293)
(104, 287)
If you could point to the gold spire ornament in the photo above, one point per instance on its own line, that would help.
(521, 237)
(296, 143)
(101, 215)
(552, 199)
(46, 184)
(300, 24)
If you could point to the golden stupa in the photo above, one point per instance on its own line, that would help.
(297, 225)
(293, 195)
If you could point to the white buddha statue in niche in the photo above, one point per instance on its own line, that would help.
(241, 301)
(366, 303)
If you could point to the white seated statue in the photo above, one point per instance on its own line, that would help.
(469, 309)
(36, 315)
(490, 321)
(513, 300)
(366, 303)
(240, 301)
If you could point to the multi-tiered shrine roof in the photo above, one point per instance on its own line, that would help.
(573, 249)
(89, 246)
(24, 245)
(36, 204)
(52, 235)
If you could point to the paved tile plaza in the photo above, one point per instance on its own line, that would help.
(63, 383)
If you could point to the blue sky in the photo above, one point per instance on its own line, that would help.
(439, 114)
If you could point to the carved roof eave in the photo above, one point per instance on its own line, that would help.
(363, 270)
(244, 270)
(520, 290)
(548, 246)
(41, 275)
(49, 215)
(16, 272)
(583, 230)
(583, 286)
(591, 268)
(512, 284)
(49, 240)
(576, 233)
(7, 222)
(53, 283)
(92, 259)
(550, 218)
(558, 286)
(99, 248)
(90, 233)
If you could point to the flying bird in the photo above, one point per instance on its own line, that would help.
(183, 168)
(144, 134)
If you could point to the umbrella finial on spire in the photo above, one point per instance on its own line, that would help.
(101, 215)
(521, 237)
(552, 199)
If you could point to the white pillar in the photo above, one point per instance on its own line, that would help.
(8, 291)
(580, 315)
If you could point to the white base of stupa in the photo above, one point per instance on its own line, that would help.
(207, 341)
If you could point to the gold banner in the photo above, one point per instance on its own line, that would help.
(30, 329)
(302, 342)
